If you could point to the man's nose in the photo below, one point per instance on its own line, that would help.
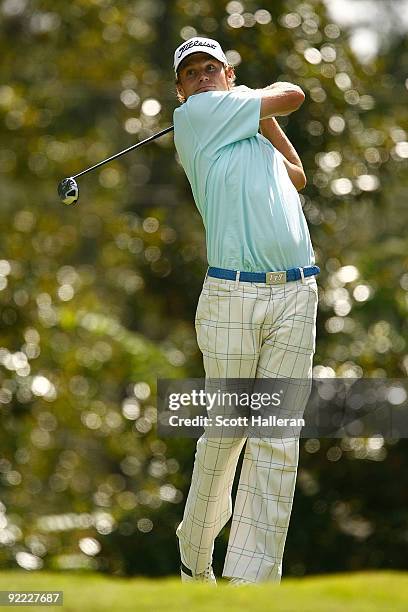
(203, 76)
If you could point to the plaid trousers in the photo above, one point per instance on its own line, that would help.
(248, 330)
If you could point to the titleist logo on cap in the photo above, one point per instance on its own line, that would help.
(199, 44)
(194, 43)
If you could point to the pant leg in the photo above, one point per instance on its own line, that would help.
(209, 506)
(268, 477)
(262, 510)
(228, 322)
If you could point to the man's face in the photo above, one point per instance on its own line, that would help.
(201, 72)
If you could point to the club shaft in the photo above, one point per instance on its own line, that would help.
(138, 144)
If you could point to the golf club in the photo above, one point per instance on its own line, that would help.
(68, 188)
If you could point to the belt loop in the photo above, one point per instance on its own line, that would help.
(302, 275)
(237, 279)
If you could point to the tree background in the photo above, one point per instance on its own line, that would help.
(97, 300)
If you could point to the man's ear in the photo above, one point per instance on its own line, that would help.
(180, 90)
(230, 73)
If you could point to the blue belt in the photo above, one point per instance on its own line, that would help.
(271, 278)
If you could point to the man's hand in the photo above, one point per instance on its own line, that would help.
(280, 99)
(296, 174)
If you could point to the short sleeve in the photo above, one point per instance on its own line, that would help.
(220, 118)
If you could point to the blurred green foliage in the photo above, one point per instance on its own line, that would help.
(97, 300)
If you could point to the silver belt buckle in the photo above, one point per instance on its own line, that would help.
(276, 278)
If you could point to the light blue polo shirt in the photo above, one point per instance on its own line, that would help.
(251, 211)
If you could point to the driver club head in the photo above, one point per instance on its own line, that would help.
(68, 191)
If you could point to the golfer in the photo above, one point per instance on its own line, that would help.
(256, 314)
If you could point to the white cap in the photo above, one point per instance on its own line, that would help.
(198, 44)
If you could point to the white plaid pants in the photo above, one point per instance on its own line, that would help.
(248, 330)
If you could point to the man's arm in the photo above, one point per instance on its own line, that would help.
(280, 99)
(273, 132)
